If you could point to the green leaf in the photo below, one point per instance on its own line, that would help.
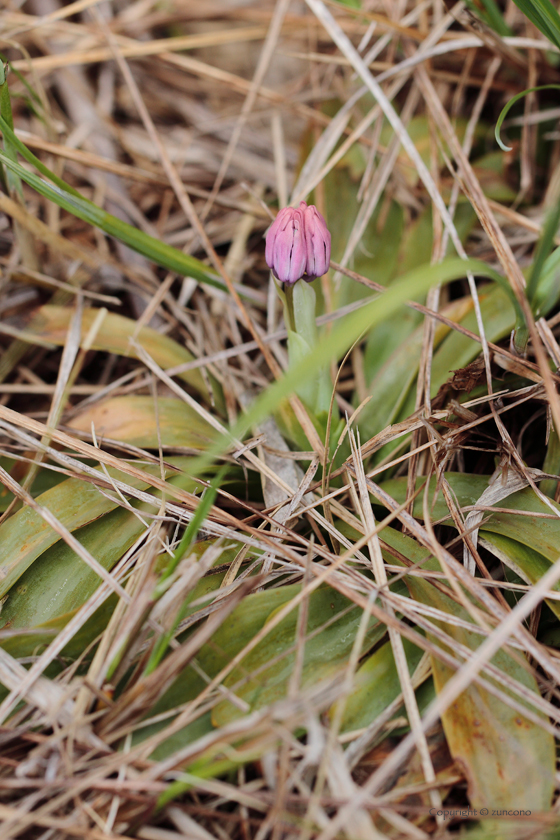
(185, 545)
(530, 565)
(114, 335)
(46, 478)
(528, 530)
(238, 629)
(59, 582)
(263, 676)
(133, 419)
(26, 535)
(376, 685)
(544, 16)
(547, 291)
(455, 351)
(508, 760)
(542, 253)
(392, 383)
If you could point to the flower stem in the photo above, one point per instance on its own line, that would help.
(290, 316)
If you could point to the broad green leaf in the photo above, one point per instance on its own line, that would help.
(509, 761)
(376, 256)
(26, 535)
(376, 685)
(59, 582)
(542, 254)
(392, 335)
(547, 291)
(46, 478)
(421, 134)
(184, 548)
(51, 591)
(263, 676)
(458, 350)
(525, 561)
(453, 353)
(468, 488)
(133, 419)
(529, 545)
(528, 530)
(551, 464)
(114, 336)
(238, 629)
(492, 175)
(326, 653)
(417, 242)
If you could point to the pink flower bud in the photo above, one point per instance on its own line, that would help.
(298, 244)
(318, 241)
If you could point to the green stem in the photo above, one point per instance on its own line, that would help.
(290, 316)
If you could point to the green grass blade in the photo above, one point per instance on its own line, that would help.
(159, 252)
(13, 183)
(542, 252)
(490, 15)
(544, 16)
(184, 546)
(191, 532)
(27, 154)
(333, 346)
(506, 108)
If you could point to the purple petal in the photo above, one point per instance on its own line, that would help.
(298, 244)
(278, 224)
(289, 258)
(318, 241)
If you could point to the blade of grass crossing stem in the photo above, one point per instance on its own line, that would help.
(184, 546)
(332, 347)
(155, 250)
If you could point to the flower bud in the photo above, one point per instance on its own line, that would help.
(286, 252)
(318, 241)
(298, 244)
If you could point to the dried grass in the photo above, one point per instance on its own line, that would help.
(190, 137)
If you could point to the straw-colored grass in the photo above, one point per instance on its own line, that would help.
(226, 611)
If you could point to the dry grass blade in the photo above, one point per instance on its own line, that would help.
(240, 601)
